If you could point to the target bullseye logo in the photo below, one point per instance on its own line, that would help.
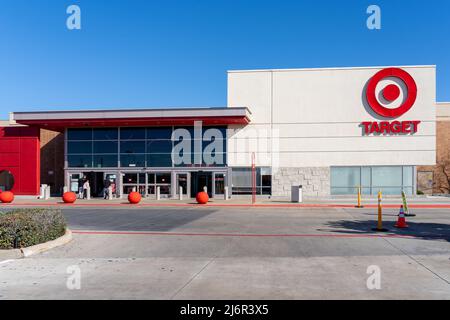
(391, 92)
(391, 95)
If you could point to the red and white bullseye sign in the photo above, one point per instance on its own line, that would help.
(391, 92)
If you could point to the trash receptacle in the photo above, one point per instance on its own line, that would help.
(296, 194)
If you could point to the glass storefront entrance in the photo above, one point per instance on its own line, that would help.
(113, 180)
(182, 180)
(162, 180)
(133, 182)
(146, 183)
(145, 159)
(97, 181)
(219, 183)
(201, 181)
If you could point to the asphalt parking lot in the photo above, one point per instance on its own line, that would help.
(238, 253)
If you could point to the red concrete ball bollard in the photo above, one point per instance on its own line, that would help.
(202, 197)
(134, 197)
(69, 197)
(6, 197)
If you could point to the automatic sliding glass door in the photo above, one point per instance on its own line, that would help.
(133, 181)
(182, 181)
(219, 183)
(161, 180)
(112, 177)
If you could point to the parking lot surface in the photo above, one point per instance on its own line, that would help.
(238, 253)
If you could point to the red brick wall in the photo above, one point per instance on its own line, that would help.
(439, 180)
(52, 160)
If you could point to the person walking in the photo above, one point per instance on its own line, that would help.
(80, 187)
(86, 189)
(106, 185)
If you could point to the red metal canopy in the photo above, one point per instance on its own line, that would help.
(59, 120)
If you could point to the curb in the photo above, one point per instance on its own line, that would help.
(7, 254)
(39, 248)
(287, 205)
(233, 205)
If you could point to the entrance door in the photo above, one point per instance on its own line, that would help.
(199, 180)
(182, 181)
(163, 180)
(219, 184)
(133, 182)
(95, 182)
(113, 179)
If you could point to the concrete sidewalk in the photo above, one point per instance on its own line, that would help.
(332, 202)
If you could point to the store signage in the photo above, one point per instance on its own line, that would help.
(394, 127)
(390, 94)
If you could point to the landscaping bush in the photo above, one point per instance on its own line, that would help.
(27, 227)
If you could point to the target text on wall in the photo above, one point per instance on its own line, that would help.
(394, 127)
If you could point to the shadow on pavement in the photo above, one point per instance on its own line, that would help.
(130, 219)
(421, 230)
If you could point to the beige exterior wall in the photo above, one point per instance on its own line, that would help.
(317, 114)
(305, 121)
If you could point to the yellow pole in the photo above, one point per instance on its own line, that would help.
(359, 198)
(380, 213)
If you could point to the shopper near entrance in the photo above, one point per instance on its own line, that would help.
(86, 189)
(106, 186)
(80, 187)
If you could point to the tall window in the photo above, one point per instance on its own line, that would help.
(79, 148)
(97, 148)
(390, 180)
(105, 147)
(139, 147)
(242, 181)
(132, 147)
(159, 147)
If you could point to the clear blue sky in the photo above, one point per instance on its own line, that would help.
(143, 53)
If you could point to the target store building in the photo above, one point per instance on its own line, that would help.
(329, 130)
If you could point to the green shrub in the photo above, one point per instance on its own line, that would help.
(27, 227)
(419, 192)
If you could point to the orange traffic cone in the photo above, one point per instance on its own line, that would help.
(401, 222)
